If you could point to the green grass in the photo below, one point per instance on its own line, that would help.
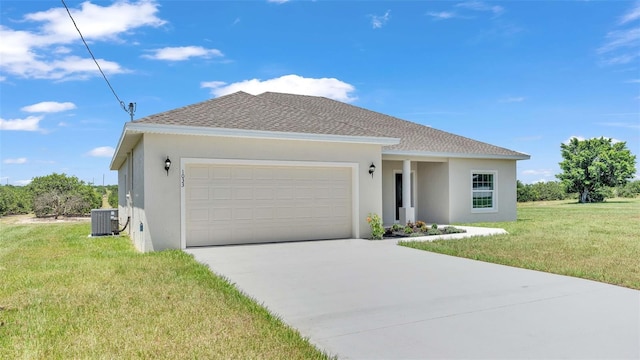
(593, 241)
(64, 295)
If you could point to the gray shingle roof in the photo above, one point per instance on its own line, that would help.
(414, 137)
(318, 115)
(248, 112)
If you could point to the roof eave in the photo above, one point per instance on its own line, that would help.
(517, 156)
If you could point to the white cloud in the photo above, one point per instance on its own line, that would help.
(620, 39)
(15, 161)
(22, 182)
(481, 6)
(582, 138)
(293, 84)
(96, 22)
(278, 1)
(442, 15)
(633, 81)
(49, 107)
(529, 138)
(103, 151)
(543, 172)
(40, 52)
(30, 123)
(622, 45)
(632, 15)
(378, 21)
(511, 99)
(183, 53)
(621, 124)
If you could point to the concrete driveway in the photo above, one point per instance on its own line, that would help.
(361, 299)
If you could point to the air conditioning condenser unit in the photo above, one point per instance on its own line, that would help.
(104, 222)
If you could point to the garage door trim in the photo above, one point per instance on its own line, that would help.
(189, 161)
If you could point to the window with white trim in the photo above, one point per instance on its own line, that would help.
(483, 186)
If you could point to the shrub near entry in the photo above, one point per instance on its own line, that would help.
(375, 222)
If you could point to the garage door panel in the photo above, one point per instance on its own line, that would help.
(221, 193)
(264, 193)
(240, 173)
(243, 192)
(243, 215)
(234, 204)
(284, 193)
(198, 192)
(198, 172)
(222, 214)
(198, 215)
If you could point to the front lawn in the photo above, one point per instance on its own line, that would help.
(66, 296)
(593, 241)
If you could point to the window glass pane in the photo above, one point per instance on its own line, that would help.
(482, 199)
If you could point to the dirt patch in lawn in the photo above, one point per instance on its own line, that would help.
(32, 219)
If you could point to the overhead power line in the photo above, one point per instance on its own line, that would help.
(132, 106)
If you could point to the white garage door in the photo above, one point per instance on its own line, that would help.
(236, 204)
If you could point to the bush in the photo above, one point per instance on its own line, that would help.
(377, 230)
(62, 195)
(629, 190)
(408, 229)
(452, 230)
(433, 231)
(15, 200)
(541, 191)
(113, 197)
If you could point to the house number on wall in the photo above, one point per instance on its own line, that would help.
(182, 177)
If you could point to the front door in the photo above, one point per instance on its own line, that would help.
(398, 179)
(398, 195)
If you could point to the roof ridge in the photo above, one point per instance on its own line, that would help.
(240, 93)
(315, 113)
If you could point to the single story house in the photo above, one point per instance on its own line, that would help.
(274, 167)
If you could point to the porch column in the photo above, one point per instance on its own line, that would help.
(407, 212)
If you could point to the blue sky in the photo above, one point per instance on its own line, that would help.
(525, 75)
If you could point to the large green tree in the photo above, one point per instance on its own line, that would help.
(591, 165)
(62, 195)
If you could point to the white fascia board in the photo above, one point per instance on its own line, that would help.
(117, 151)
(455, 155)
(256, 134)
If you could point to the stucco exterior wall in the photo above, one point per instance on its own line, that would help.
(163, 192)
(460, 181)
(433, 194)
(131, 197)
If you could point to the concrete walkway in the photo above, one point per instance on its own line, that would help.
(361, 299)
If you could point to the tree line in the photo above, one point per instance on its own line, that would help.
(55, 195)
(556, 190)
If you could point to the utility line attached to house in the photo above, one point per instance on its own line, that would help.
(132, 106)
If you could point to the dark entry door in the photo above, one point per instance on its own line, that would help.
(398, 194)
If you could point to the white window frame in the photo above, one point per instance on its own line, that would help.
(494, 191)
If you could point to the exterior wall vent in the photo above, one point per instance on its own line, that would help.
(104, 222)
